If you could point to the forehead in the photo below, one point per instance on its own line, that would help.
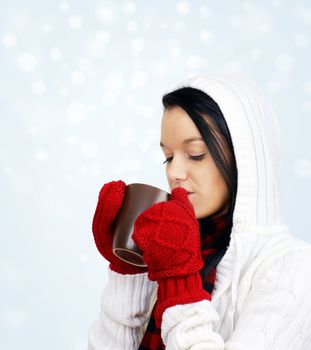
(178, 120)
(178, 128)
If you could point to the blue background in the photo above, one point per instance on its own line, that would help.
(80, 95)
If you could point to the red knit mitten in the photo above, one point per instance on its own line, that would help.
(110, 200)
(168, 233)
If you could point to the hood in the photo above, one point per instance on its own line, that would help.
(255, 134)
(258, 227)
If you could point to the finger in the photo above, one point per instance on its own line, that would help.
(180, 194)
(117, 187)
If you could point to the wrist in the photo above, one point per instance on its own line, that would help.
(179, 290)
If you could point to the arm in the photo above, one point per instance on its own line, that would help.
(126, 304)
(125, 299)
(276, 313)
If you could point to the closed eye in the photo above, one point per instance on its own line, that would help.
(195, 158)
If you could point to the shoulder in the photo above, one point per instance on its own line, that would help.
(287, 266)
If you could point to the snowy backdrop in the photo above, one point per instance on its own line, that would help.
(80, 97)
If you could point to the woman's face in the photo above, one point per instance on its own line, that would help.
(190, 165)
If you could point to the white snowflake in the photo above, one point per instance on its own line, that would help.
(276, 3)
(136, 46)
(75, 22)
(182, 7)
(129, 7)
(34, 130)
(97, 46)
(103, 37)
(9, 40)
(27, 62)
(7, 169)
(64, 6)
(77, 112)
(68, 178)
(49, 187)
(204, 11)
(207, 36)
(46, 28)
(174, 47)
(41, 155)
(107, 12)
(301, 40)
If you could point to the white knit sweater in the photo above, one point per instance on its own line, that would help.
(262, 294)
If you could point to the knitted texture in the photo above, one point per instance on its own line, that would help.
(215, 237)
(110, 200)
(179, 290)
(168, 233)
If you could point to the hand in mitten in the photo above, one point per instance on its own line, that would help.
(110, 200)
(168, 233)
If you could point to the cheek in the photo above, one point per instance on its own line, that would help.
(212, 196)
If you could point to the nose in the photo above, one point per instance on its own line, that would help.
(176, 171)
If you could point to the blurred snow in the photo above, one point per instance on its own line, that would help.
(81, 87)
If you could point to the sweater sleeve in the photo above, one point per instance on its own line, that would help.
(275, 315)
(126, 304)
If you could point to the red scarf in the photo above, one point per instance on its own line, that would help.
(215, 238)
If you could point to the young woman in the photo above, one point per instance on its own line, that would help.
(223, 270)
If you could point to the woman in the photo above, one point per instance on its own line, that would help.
(223, 270)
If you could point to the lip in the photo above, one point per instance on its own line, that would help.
(188, 192)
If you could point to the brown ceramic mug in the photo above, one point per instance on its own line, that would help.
(138, 197)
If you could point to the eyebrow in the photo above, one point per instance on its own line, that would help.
(190, 139)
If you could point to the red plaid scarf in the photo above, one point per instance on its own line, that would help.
(215, 238)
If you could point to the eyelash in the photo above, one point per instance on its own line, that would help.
(195, 158)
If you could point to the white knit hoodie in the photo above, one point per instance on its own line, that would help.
(262, 295)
